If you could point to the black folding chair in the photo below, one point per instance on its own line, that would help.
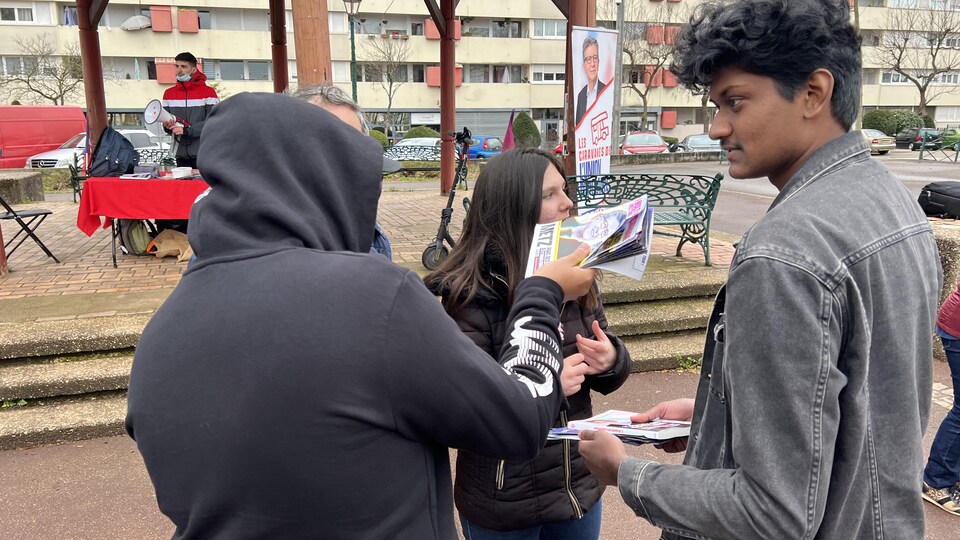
(33, 219)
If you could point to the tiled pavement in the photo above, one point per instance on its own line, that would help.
(409, 216)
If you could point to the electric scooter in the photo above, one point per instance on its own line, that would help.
(436, 252)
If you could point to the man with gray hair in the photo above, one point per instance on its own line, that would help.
(591, 66)
(335, 101)
(338, 103)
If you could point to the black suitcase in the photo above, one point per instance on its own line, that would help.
(941, 199)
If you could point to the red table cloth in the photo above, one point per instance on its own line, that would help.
(114, 198)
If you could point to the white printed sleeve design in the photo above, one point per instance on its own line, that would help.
(533, 355)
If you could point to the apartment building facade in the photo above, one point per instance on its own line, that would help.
(510, 55)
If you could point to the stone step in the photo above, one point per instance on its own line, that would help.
(659, 316)
(101, 414)
(80, 335)
(704, 282)
(64, 376)
(664, 351)
(53, 421)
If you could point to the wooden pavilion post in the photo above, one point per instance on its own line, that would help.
(88, 17)
(311, 36)
(580, 13)
(448, 99)
(278, 39)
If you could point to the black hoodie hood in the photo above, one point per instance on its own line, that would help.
(284, 174)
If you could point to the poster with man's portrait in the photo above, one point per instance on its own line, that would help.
(593, 51)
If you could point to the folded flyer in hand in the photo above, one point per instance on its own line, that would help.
(619, 424)
(619, 239)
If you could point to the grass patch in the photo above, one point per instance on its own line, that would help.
(56, 179)
(689, 363)
(10, 404)
(473, 169)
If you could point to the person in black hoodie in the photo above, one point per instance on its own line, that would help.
(553, 495)
(295, 386)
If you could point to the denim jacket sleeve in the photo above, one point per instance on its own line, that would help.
(765, 473)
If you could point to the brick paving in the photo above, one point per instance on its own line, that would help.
(410, 217)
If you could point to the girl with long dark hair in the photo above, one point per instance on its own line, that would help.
(552, 496)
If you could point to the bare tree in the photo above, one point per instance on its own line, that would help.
(921, 46)
(385, 61)
(44, 73)
(648, 44)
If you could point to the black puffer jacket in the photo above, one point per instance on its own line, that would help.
(556, 485)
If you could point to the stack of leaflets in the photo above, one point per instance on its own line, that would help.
(619, 239)
(618, 423)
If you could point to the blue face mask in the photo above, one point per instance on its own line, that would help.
(184, 78)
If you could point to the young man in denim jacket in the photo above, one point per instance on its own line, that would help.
(815, 388)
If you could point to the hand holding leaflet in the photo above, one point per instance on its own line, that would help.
(619, 239)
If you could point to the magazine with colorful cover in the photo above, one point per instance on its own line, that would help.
(619, 239)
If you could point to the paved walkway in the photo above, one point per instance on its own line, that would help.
(409, 214)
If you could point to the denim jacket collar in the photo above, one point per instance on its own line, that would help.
(841, 151)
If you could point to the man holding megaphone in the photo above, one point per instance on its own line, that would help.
(189, 101)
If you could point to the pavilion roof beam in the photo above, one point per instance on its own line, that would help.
(437, 16)
(564, 7)
(97, 7)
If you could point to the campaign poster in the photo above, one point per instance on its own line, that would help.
(594, 52)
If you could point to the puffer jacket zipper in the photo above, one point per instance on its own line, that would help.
(567, 474)
(500, 468)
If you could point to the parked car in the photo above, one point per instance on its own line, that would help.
(879, 141)
(419, 141)
(950, 139)
(643, 142)
(71, 150)
(912, 138)
(484, 146)
(697, 143)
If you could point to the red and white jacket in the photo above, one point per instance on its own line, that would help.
(191, 102)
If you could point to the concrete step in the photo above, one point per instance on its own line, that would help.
(704, 282)
(64, 375)
(57, 337)
(664, 351)
(53, 421)
(660, 316)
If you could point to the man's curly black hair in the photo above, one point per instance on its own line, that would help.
(785, 40)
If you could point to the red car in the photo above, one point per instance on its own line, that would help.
(643, 142)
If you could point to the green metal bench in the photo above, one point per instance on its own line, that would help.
(682, 200)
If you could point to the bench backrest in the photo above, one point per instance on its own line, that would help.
(696, 192)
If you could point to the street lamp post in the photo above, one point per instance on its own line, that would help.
(353, 7)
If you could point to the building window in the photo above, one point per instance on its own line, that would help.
(890, 77)
(505, 29)
(416, 29)
(203, 16)
(477, 30)
(549, 28)
(947, 114)
(338, 23)
(341, 71)
(12, 13)
(231, 70)
(256, 20)
(258, 70)
(949, 78)
(548, 73)
(418, 73)
(477, 73)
